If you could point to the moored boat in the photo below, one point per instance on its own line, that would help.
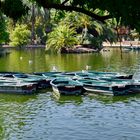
(106, 87)
(102, 75)
(20, 88)
(67, 86)
(39, 80)
(48, 76)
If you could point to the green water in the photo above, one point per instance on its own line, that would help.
(34, 60)
(45, 116)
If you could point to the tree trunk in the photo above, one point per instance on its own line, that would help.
(33, 25)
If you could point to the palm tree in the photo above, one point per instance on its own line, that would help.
(63, 36)
(38, 20)
(90, 31)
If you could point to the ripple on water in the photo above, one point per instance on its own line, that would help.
(70, 117)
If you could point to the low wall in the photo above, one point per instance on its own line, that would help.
(123, 43)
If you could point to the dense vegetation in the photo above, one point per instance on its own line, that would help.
(20, 36)
(65, 23)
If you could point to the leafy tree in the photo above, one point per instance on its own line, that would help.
(89, 31)
(127, 12)
(20, 36)
(63, 36)
(37, 20)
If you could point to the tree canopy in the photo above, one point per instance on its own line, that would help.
(127, 12)
(115, 14)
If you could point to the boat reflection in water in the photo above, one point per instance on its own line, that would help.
(62, 99)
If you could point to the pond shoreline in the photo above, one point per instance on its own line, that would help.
(123, 44)
(82, 48)
(76, 49)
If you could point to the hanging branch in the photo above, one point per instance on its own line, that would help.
(64, 2)
(47, 5)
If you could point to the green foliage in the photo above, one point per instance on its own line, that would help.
(37, 21)
(4, 36)
(63, 36)
(104, 33)
(90, 31)
(107, 34)
(73, 18)
(20, 36)
(127, 12)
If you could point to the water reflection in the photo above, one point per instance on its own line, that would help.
(19, 115)
(36, 60)
(104, 99)
(113, 99)
(15, 98)
(62, 99)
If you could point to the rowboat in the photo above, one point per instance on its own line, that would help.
(48, 76)
(106, 87)
(17, 87)
(71, 75)
(28, 78)
(67, 86)
(102, 75)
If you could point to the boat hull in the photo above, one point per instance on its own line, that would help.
(67, 86)
(18, 88)
(115, 87)
(109, 90)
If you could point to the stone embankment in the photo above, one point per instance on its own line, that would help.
(123, 43)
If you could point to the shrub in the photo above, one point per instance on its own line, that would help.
(63, 36)
(20, 36)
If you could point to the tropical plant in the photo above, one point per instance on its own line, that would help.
(20, 36)
(91, 31)
(63, 36)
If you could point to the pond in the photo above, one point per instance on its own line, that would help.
(36, 60)
(44, 116)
